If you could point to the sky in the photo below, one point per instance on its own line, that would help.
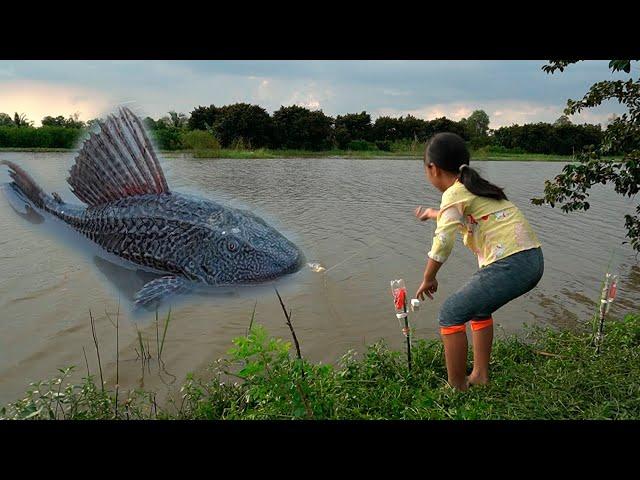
(509, 91)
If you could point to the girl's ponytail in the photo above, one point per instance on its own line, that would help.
(477, 185)
(449, 152)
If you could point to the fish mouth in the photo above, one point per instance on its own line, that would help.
(294, 265)
(298, 263)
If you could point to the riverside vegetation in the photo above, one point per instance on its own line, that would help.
(547, 374)
(248, 131)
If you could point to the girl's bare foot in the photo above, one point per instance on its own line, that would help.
(460, 387)
(475, 379)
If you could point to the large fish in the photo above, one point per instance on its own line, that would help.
(132, 214)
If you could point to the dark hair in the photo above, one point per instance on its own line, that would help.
(449, 152)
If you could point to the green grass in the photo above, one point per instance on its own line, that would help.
(366, 154)
(548, 374)
(35, 149)
(520, 157)
(265, 153)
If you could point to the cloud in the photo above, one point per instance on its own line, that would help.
(510, 91)
(39, 99)
(502, 112)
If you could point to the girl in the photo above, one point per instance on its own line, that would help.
(508, 251)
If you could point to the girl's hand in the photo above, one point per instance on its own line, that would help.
(426, 213)
(428, 287)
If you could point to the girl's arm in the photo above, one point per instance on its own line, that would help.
(429, 283)
(443, 240)
(426, 213)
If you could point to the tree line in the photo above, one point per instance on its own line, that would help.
(246, 126)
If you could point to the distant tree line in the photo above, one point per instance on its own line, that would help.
(245, 126)
(18, 132)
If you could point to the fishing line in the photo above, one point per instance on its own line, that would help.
(355, 254)
(317, 267)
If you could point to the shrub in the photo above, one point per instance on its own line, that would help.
(43, 137)
(360, 145)
(199, 140)
(383, 145)
(167, 138)
(408, 145)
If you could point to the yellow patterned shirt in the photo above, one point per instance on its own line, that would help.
(492, 229)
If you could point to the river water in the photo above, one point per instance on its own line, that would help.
(354, 217)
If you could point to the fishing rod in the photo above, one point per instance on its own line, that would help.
(608, 291)
(607, 297)
(399, 292)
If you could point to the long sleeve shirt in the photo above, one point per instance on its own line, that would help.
(492, 229)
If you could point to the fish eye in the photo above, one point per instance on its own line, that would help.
(232, 245)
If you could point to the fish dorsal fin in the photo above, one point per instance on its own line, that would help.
(118, 161)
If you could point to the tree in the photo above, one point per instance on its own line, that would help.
(74, 121)
(548, 139)
(203, 118)
(387, 129)
(443, 124)
(352, 126)
(21, 120)
(241, 122)
(562, 120)
(299, 127)
(49, 121)
(413, 128)
(477, 125)
(571, 187)
(5, 120)
(59, 121)
(174, 119)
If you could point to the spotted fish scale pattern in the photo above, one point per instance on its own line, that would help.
(132, 214)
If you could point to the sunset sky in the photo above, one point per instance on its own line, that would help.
(509, 91)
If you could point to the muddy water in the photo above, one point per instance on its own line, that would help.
(352, 216)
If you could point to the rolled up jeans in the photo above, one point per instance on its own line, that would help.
(493, 286)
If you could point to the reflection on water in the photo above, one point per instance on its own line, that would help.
(352, 218)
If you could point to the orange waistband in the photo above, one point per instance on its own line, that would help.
(453, 329)
(480, 324)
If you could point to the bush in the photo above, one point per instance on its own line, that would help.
(479, 142)
(199, 140)
(43, 137)
(383, 145)
(408, 145)
(167, 138)
(360, 145)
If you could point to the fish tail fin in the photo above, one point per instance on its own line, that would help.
(26, 185)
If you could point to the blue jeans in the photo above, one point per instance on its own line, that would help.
(493, 286)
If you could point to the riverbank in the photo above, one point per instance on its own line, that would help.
(367, 154)
(548, 374)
